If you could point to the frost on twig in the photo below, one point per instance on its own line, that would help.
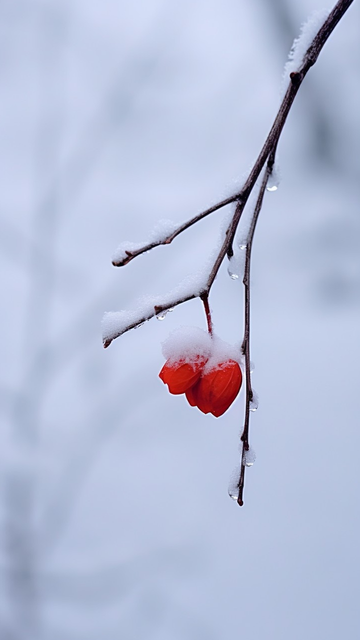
(301, 44)
(161, 233)
(304, 53)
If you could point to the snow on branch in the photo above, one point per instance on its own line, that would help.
(301, 44)
(303, 55)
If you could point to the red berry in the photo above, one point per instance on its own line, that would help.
(181, 375)
(216, 390)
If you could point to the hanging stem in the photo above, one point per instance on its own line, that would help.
(205, 301)
(245, 347)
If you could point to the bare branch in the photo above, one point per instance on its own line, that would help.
(130, 255)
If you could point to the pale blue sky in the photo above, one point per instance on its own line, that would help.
(115, 519)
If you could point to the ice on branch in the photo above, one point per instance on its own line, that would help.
(160, 232)
(301, 44)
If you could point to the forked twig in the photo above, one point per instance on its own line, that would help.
(241, 197)
(265, 157)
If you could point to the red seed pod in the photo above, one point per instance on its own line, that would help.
(192, 397)
(181, 375)
(216, 390)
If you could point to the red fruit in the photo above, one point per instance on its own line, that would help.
(216, 390)
(193, 399)
(181, 375)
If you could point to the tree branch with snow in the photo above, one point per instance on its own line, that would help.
(209, 372)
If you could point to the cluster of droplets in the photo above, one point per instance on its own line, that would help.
(248, 455)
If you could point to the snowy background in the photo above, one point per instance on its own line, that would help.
(115, 521)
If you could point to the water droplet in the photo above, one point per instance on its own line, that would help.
(161, 316)
(236, 266)
(233, 276)
(273, 181)
(242, 247)
(249, 457)
(233, 488)
(254, 403)
(171, 310)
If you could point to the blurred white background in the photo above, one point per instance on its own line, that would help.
(114, 517)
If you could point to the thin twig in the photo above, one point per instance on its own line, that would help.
(205, 301)
(246, 340)
(130, 255)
